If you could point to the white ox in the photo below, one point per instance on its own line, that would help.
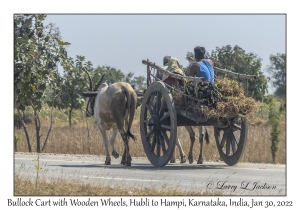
(113, 107)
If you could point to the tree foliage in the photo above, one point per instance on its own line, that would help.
(139, 82)
(37, 50)
(277, 69)
(237, 60)
(73, 83)
(113, 75)
(274, 119)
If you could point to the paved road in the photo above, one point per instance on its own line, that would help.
(241, 179)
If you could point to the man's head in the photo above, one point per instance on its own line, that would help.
(166, 60)
(199, 52)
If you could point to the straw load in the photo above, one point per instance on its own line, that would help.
(224, 99)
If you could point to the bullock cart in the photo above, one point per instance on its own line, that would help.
(160, 117)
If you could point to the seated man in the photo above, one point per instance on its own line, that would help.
(159, 74)
(202, 67)
(171, 65)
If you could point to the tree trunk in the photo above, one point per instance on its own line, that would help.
(273, 157)
(25, 130)
(70, 117)
(37, 131)
(51, 120)
(15, 144)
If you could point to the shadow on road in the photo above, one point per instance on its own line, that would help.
(149, 167)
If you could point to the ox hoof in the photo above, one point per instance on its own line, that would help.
(183, 160)
(172, 160)
(107, 163)
(115, 154)
(127, 164)
(200, 161)
(191, 160)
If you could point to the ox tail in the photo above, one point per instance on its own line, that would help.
(130, 106)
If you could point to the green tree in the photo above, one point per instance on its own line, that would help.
(237, 60)
(139, 82)
(96, 74)
(274, 119)
(277, 69)
(128, 77)
(112, 74)
(73, 84)
(37, 50)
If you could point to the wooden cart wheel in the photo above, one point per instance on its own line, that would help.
(158, 124)
(231, 140)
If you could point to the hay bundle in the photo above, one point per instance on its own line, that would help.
(206, 93)
(224, 99)
(196, 97)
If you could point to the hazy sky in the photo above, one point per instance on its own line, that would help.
(123, 41)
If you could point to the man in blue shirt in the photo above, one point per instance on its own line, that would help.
(202, 67)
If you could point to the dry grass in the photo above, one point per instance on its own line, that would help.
(257, 149)
(66, 140)
(63, 187)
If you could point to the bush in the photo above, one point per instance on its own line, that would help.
(274, 117)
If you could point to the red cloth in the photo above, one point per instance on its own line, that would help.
(172, 79)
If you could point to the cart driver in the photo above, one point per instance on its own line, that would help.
(202, 67)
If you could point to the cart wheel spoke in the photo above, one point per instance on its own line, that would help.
(166, 115)
(157, 145)
(153, 144)
(149, 134)
(165, 136)
(228, 142)
(148, 122)
(237, 126)
(166, 127)
(162, 142)
(233, 143)
(162, 108)
(151, 111)
(158, 103)
(223, 139)
(236, 138)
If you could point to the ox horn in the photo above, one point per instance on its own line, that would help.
(99, 83)
(91, 82)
